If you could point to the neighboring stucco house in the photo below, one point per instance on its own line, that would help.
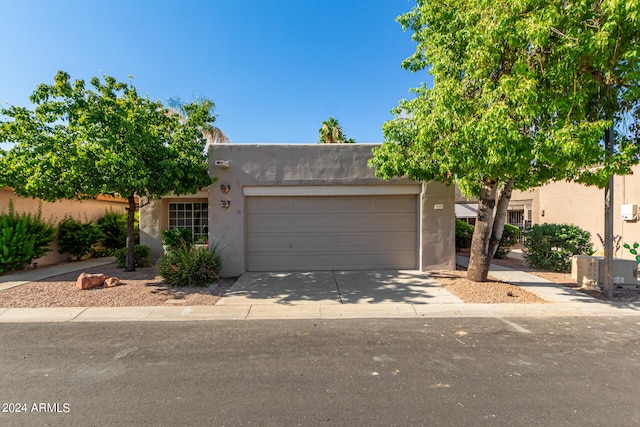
(564, 202)
(309, 207)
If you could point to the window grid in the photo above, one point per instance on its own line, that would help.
(191, 216)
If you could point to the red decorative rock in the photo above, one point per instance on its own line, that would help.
(112, 282)
(88, 281)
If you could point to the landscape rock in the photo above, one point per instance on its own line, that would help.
(112, 282)
(88, 281)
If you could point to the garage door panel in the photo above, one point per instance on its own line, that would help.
(301, 223)
(405, 204)
(289, 262)
(309, 242)
(281, 261)
(340, 232)
(395, 222)
(384, 241)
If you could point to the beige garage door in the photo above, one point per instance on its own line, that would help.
(297, 233)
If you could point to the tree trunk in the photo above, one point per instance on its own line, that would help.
(130, 264)
(478, 263)
(500, 219)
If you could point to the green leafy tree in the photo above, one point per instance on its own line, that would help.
(523, 93)
(332, 133)
(79, 143)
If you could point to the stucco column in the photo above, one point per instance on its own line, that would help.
(437, 218)
(150, 234)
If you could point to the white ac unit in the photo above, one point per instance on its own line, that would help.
(629, 212)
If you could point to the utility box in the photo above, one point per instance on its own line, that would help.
(589, 271)
(625, 271)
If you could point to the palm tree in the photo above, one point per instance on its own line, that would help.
(331, 132)
(213, 134)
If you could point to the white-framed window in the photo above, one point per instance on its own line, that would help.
(192, 216)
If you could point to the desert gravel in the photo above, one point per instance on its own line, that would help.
(141, 288)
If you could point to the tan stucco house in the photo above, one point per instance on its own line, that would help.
(564, 202)
(309, 207)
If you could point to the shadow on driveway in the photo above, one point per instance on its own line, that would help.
(337, 287)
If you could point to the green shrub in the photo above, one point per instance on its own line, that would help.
(509, 238)
(76, 237)
(190, 266)
(464, 235)
(551, 246)
(141, 256)
(175, 238)
(23, 238)
(114, 227)
(101, 252)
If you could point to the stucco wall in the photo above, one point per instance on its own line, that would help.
(318, 164)
(564, 202)
(80, 209)
(154, 219)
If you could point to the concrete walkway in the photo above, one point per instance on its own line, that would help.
(327, 295)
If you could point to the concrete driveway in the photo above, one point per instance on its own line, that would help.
(338, 287)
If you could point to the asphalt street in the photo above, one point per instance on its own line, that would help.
(578, 371)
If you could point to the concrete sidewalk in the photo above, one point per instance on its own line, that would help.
(403, 294)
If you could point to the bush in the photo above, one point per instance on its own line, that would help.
(76, 237)
(101, 252)
(141, 256)
(23, 238)
(464, 234)
(551, 246)
(190, 266)
(114, 227)
(509, 238)
(176, 238)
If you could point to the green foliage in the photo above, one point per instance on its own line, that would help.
(190, 266)
(77, 237)
(23, 238)
(512, 98)
(114, 227)
(142, 256)
(509, 238)
(101, 252)
(79, 142)
(551, 246)
(523, 90)
(175, 238)
(464, 234)
(332, 133)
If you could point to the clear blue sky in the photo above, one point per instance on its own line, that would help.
(274, 68)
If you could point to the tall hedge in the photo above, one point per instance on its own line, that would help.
(23, 238)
